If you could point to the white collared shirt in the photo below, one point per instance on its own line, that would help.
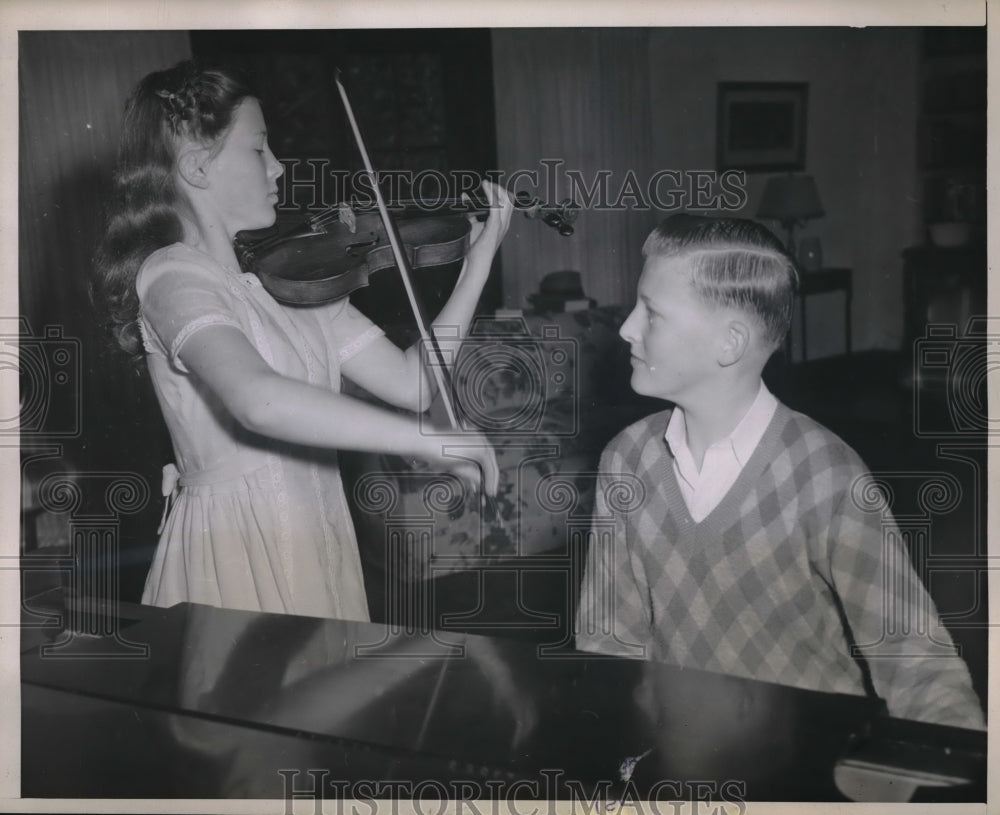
(724, 461)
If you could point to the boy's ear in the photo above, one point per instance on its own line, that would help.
(192, 165)
(735, 342)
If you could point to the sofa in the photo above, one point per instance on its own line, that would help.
(549, 391)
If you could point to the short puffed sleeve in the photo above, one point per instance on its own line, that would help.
(348, 331)
(179, 294)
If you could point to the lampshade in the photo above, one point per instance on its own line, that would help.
(790, 198)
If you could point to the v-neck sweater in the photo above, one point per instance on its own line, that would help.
(798, 576)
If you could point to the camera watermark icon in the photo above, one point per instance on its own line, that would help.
(48, 369)
(508, 381)
(953, 376)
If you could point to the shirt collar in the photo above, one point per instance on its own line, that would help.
(744, 437)
(676, 430)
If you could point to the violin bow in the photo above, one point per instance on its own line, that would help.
(440, 371)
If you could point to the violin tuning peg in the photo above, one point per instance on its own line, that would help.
(570, 209)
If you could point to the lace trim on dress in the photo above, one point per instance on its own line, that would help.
(147, 343)
(200, 322)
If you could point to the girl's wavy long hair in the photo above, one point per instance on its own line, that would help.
(188, 101)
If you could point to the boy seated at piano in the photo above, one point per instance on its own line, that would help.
(741, 542)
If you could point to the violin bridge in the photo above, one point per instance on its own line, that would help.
(347, 217)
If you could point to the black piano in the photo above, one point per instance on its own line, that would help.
(199, 702)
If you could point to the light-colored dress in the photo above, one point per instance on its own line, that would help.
(251, 523)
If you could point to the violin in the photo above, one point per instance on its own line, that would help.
(332, 253)
(309, 256)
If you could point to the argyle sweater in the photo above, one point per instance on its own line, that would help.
(797, 577)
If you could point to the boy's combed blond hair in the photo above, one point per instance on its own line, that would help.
(736, 263)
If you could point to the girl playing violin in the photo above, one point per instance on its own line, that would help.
(257, 517)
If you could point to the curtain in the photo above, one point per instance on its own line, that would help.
(575, 100)
(72, 88)
(101, 415)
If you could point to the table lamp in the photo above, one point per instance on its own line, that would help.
(791, 200)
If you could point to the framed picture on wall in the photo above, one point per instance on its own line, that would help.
(762, 126)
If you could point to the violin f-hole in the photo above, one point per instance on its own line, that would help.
(360, 249)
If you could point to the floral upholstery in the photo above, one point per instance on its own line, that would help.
(549, 392)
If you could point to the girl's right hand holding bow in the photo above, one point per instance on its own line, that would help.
(470, 456)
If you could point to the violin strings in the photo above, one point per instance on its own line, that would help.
(333, 213)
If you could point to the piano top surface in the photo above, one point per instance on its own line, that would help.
(212, 682)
